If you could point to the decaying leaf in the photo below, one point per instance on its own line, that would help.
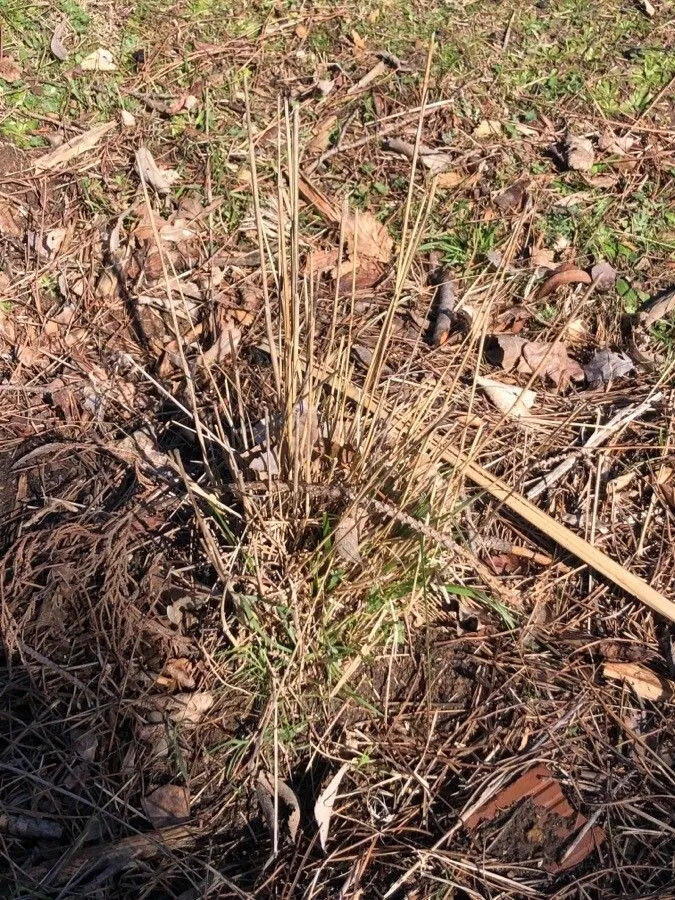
(73, 148)
(658, 309)
(564, 274)
(606, 366)
(100, 60)
(580, 153)
(57, 46)
(161, 179)
(534, 357)
(604, 276)
(167, 805)
(10, 70)
(346, 540)
(323, 808)
(510, 400)
(289, 808)
(434, 160)
(487, 128)
(643, 681)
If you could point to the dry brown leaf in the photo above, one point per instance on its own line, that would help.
(228, 339)
(167, 805)
(301, 31)
(434, 160)
(644, 682)
(323, 808)
(529, 357)
(57, 46)
(9, 69)
(605, 366)
(319, 261)
(565, 274)
(580, 153)
(544, 259)
(366, 237)
(357, 40)
(265, 793)
(73, 148)
(658, 309)
(487, 128)
(346, 540)
(322, 133)
(9, 227)
(511, 200)
(161, 179)
(100, 60)
(510, 400)
(612, 143)
(448, 180)
(180, 670)
(189, 709)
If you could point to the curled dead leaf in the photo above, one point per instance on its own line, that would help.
(510, 400)
(533, 358)
(643, 681)
(161, 179)
(100, 60)
(190, 708)
(323, 808)
(606, 366)
(565, 274)
(366, 237)
(289, 807)
(57, 46)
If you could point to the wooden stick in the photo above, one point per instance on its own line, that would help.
(602, 563)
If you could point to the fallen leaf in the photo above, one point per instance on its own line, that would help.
(612, 143)
(657, 309)
(434, 160)
(189, 709)
(357, 40)
(645, 683)
(322, 133)
(605, 366)
(346, 540)
(57, 47)
(319, 261)
(604, 276)
(543, 259)
(100, 60)
(180, 670)
(323, 808)
(565, 274)
(73, 148)
(509, 399)
(167, 805)
(301, 32)
(580, 153)
(148, 170)
(533, 357)
(9, 227)
(487, 128)
(228, 340)
(512, 199)
(9, 69)
(621, 482)
(48, 244)
(128, 120)
(452, 179)
(367, 237)
(265, 793)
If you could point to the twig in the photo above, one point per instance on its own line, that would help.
(599, 437)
